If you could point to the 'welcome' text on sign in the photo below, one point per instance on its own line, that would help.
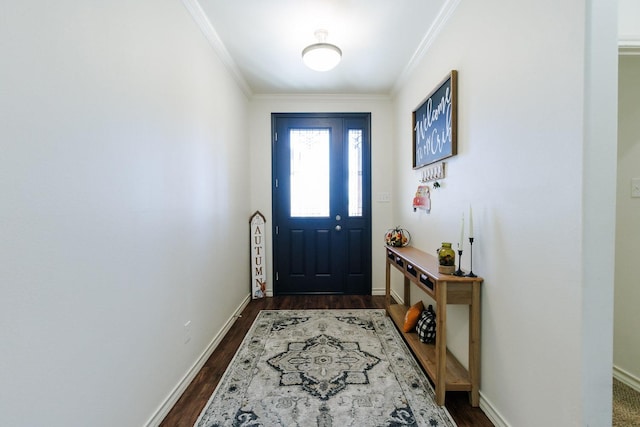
(434, 124)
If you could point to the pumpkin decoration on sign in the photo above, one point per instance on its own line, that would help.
(397, 237)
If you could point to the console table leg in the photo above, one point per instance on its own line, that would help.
(474, 345)
(387, 294)
(441, 342)
(407, 292)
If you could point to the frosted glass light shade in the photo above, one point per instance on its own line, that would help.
(321, 56)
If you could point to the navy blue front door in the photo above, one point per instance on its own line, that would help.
(321, 203)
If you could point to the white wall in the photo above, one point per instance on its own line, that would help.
(627, 294)
(120, 132)
(382, 153)
(525, 163)
(629, 22)
(123, 141)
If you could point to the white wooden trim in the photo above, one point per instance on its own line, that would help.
(432, 34)
(629, 45)
(378, 291)
(396, 297)
(626, 377)
(491, 412)
(177, 391)
(211, 35)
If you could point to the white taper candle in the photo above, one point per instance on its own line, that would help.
(460, 245)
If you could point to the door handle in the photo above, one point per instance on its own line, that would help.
(338, 228)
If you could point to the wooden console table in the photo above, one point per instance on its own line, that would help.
(443, 368)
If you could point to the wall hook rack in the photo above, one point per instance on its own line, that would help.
(432, 173)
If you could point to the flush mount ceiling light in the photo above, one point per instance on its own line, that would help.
(321, 56)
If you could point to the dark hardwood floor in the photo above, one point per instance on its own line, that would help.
(186, 410)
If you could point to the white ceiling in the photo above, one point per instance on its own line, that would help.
(262, 41)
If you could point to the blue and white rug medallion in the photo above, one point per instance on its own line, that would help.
(325, 368)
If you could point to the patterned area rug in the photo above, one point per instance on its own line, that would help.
(323, 368)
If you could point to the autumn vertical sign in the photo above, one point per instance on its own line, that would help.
(258, 256)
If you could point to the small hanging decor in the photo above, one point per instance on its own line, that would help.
(258, 256)
(422, 199)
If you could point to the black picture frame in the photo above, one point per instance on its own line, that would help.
(435, 124)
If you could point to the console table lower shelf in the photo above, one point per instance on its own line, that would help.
(457, 377)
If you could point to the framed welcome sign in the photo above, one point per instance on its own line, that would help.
(435, 124)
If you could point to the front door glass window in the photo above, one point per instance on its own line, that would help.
(309, 172)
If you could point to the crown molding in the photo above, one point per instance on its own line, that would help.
(322, 97)
(629, 45)
(201, 19)
(436, 27)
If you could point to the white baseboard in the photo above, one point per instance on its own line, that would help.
(177, 391)
(498, 420)
(626, 377)
(491, 412)
(378, 291)
(375, 291)
(398, 298)
(629, 45)
(485, 405)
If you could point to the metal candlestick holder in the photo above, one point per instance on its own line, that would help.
(459, 272)
(471, 258)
